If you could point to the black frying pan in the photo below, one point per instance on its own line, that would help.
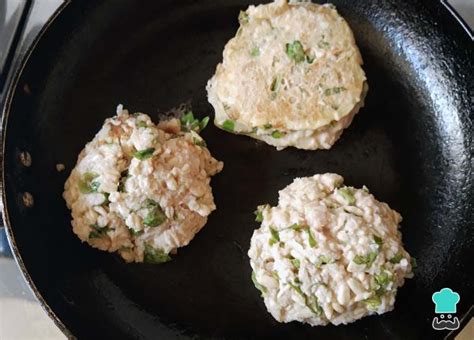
(411, 145)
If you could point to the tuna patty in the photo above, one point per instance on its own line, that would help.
(291, 76)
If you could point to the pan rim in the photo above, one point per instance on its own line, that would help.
(10, 92)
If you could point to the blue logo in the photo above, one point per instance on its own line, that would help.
(445, 303)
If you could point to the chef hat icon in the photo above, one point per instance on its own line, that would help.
(445, 301)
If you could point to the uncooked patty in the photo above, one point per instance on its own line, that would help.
(141, 189)
(328, 253)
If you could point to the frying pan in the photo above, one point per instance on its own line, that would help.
(411, 145)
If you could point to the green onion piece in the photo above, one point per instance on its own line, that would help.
(296, 227)
(313, 305)
(144, 154)
(275, 236)
(368, 259)
(260, 287)
(187, 118)
(275, 84)
(135, 233)
(311, 240)
(106, 199)
(243, 18)
(383, 279)
(203, 123)
(142, 124)
(397, 258)
(197, 140)
(255, 52)
(346, 193)
(228, 125)
(373, 302)
(267, 126)
(295, 51)
(98, 232)
(190, 123)
(94, 234)
(298, 289)
(334, 90)
(258, 216)
(371, 257)
(378, 240)
(326, 259)
(155, 256)
(155, 216)
(296, 263)
(200, 142)
(277, 134)
(87, 184)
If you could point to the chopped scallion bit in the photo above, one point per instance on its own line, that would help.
(87, 184)
(258, 216)
(142, 124)
(397, 258)
(296, 227)
(323, 259)
(314, 306)
(347, 194)
(275, 236)
(255, 52)
(368, 259)
(311, 240)
(243, 18)
(378, 240)
(228, 125)
(98, 232)
(155, 256)
(135, 233)
(295, 51)
(334, 90)
(267, 126)
(310, 302)
(373, 302)
(275, 84)
(260, 287)
(190, 123)
(144, 154)
(296, 263)
(277, 134)
(383, 279)
(155, 216)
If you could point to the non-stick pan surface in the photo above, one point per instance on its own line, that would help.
(411, 145)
